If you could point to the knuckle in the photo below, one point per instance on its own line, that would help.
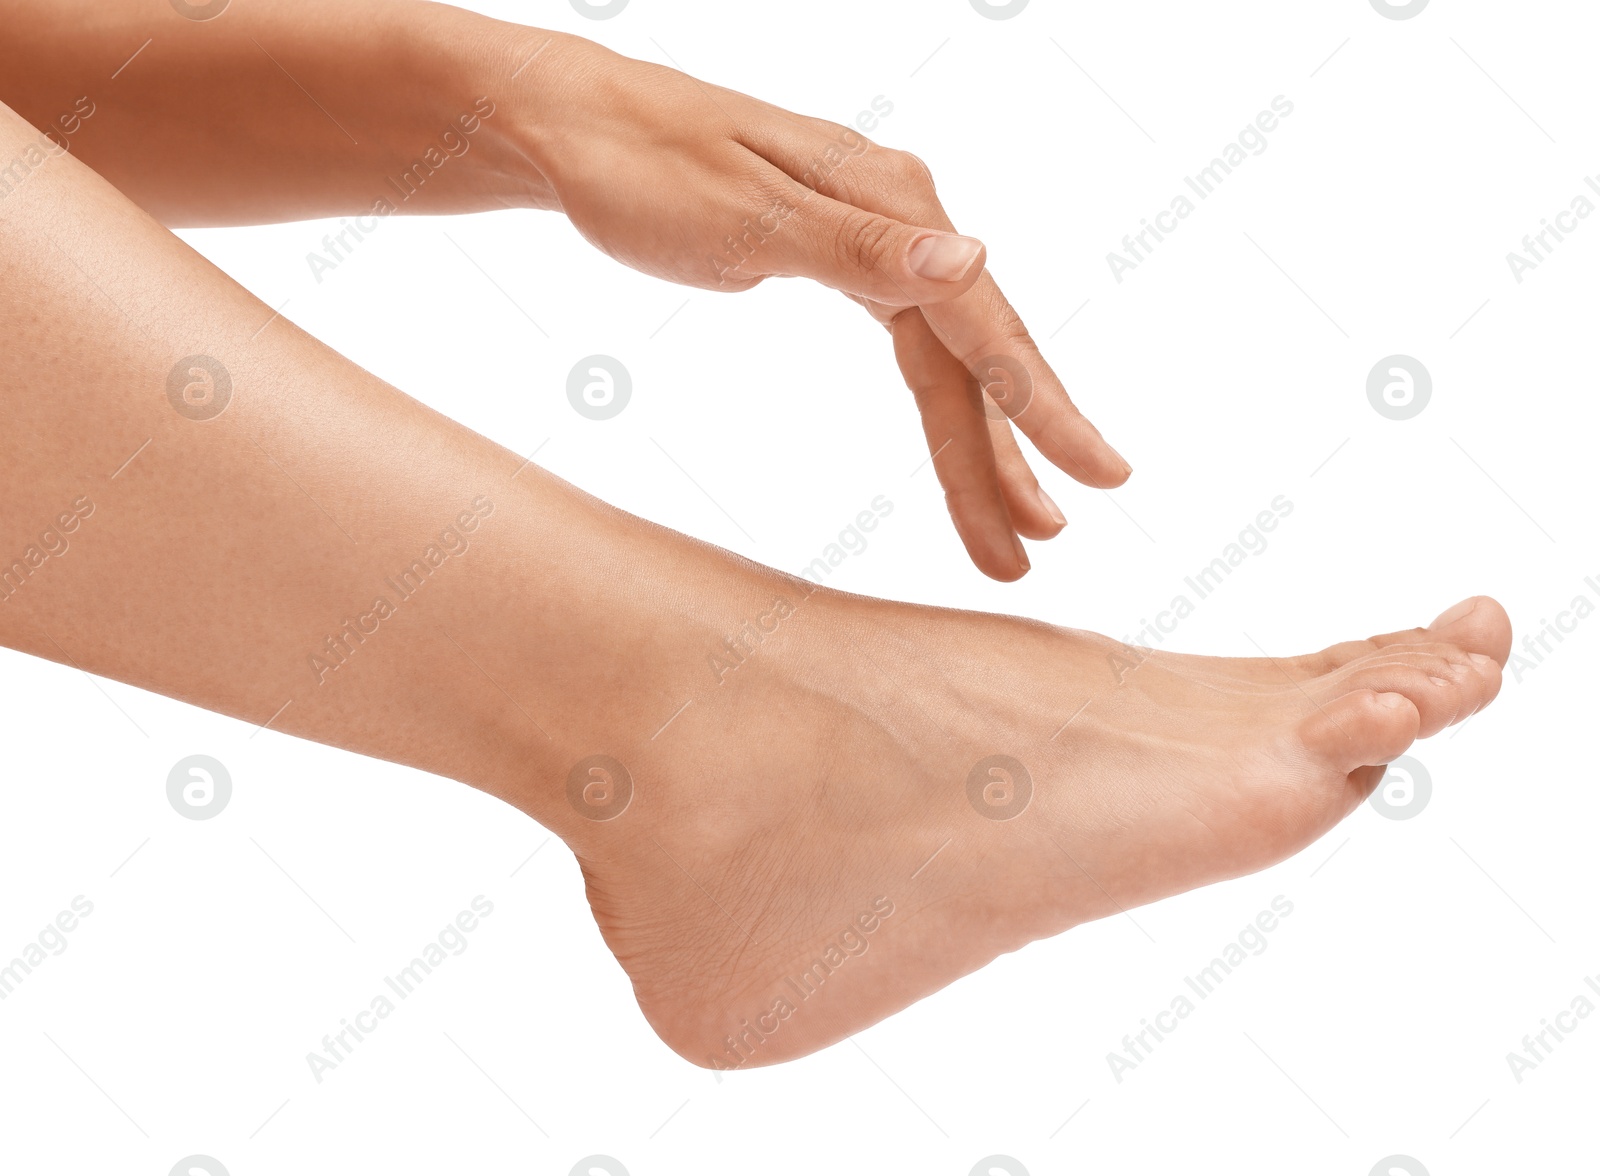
(906, 168)
(862, 238)
(967, 499)
(837, 132)
(1008, 335)
(769, 186)
(1010, 328)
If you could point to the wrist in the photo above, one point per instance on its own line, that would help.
(478, 108)
(518, 73)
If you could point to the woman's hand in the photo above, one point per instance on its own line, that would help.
(308, 107)
(711, 188)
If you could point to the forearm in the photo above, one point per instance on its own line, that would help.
(324, 556)
(285, 109)
(278, 109)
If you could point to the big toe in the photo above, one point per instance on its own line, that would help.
(1476, 625)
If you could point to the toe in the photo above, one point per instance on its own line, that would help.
(1445, 686)
(1476, 625)
(1361, 728)
(1487, 670)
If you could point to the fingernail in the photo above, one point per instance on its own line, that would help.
(1022, 556)
(944, 257)
(1050, 507)
(1126, 468)
(1451, 615)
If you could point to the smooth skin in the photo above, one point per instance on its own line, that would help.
(219, 561)
(285, 109)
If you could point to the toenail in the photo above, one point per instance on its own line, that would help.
(1451, 615)
(1479, 660)
(1438, 681)
(1392, 700)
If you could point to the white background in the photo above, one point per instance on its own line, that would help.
(1228, 368)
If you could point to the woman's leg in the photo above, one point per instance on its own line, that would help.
(788, 803)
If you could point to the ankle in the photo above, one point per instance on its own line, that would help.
(636, 651)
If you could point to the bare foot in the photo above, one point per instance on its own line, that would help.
(877, 799)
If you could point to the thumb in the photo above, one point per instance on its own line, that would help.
(875, 256)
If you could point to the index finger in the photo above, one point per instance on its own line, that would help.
(979, 327)
(987, 335)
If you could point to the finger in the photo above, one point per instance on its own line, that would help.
(870, 223)
(1033, 512)
(963, 456)
(845, 165)
(980, 327)
(861, 252)
(983, 330)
